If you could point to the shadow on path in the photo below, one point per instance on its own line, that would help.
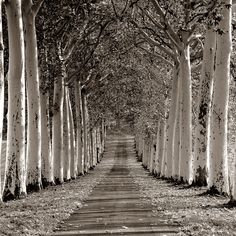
(115, 206)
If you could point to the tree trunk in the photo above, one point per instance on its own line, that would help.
(1, 93)
(98, 144)
(218, 171)
(33, 157)
(145, 153)
(186, 116)
(152, 157)
(177, 138)
(74, 161)
(94, 146)
(157, 167)
(78, 109)
(162, 146)
(66, 137)
(57, 130)
(85, 131)
(15, 170)
(171, 125)
(103, 135)
(201, 148)
(47, 162)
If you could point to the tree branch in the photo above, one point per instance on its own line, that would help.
(171, 32)
(158, 56)
(153, 42)
(37, 5)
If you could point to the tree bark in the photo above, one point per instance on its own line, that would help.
(1, 93)
(157, 167)
(57, 130)
(162, 146)
(33, 157)
(218, 171)
(66, 137)
(201, 157)
(74, 161)
(177, 138)
(85, 131)
(171, 125)
(186, 114)
(47, 162)
(15, 170)
(79, 133)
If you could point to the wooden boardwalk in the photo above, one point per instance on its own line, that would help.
(115, 205)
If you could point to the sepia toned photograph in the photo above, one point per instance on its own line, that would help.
(117, 117)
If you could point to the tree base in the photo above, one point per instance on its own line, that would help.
(80, 174)
(46, 183)
(199, 184)
(36, 187)
(200, 179)
(213, 191)
(66, 180)
(9, 196)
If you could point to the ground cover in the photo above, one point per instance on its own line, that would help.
(196, 212)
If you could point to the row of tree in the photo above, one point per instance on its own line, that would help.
(173, 152)
(95, 62)
(50, 138)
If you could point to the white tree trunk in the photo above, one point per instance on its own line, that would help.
(57, 131)
(103, 135)
(162, 147)
(94, 146)
(85, 132)
(201, 149)
(149, 147)
(15, 170)
(152, 155)
(79, 134)
(99, 145)
(33, 157)
(186, 164)
(74, 161)
(218, 171)
(66, 137)
(157, 167)
(47, 163)
(1, 95)
(145, 153)
(177, 138)
(90, 148)
(138, 146)
(171, 125)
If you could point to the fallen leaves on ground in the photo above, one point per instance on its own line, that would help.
(196, 213)
(39, 213)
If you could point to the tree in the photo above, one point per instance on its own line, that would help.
(218, 174)
(1, 91)
(15, 170)
(33, 156)
(201, 148)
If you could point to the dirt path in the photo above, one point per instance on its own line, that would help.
(150, 200)
(115, 205)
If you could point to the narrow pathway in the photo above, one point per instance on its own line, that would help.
(115, 206)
